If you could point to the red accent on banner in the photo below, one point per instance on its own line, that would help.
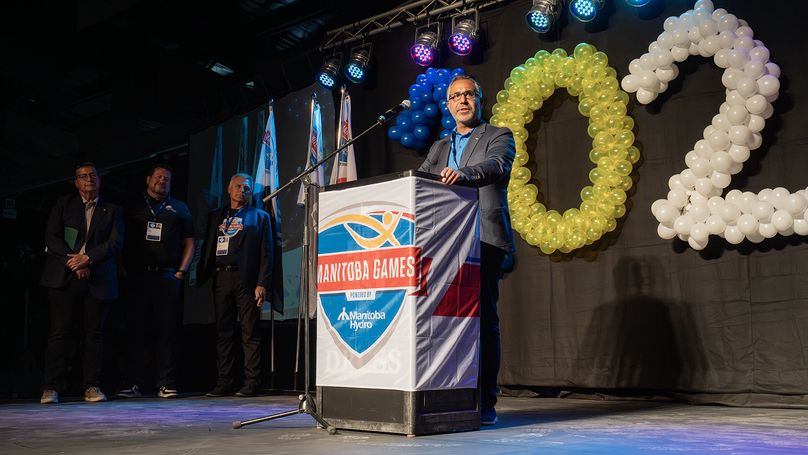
(462, 298)
(373, 269)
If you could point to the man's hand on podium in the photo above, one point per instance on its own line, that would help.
(450, 176)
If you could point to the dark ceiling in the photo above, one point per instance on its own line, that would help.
(117, 80)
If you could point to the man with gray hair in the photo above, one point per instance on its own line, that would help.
(237, 255)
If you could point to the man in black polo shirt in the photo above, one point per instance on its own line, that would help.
(156, 258)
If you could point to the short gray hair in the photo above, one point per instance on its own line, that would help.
(243, 175)
(466, 77)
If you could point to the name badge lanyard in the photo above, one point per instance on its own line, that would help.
(453, 152)
(159, 209)
(229, 222)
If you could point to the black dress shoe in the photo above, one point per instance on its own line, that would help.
(249, 390)
(219, 391)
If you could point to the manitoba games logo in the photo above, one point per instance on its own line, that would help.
(367, 265)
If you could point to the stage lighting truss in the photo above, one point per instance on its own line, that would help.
(356, 70)
(424, 50)
(329, 71)
(585, 10)
(543, 15)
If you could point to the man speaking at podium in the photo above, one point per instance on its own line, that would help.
(482, 154)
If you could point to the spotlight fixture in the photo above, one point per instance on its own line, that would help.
(425, 49)
(585, 10)
(638, 3)
(543, 15)
(465, 31)
(329, 72)
(356, 70)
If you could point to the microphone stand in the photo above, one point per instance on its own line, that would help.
(306, 402)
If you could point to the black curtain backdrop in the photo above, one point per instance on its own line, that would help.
(727, 324)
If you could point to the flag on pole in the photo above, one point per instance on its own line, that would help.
(344, 169)
(315, 152)
(266, 181)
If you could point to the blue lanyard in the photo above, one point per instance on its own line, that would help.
(230, 221)
(159, 209)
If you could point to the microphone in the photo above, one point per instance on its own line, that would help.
(402, 106)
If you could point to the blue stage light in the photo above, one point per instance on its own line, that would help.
(464, 35)
(357, 67)
(638, 3)
(425, 49)
(329, 72)
(543, 15)
(585, 10)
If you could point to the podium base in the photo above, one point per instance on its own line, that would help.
(396, 411)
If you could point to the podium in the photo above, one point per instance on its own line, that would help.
(398, 281)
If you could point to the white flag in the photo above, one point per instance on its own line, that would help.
(344, 169)
(315, 152)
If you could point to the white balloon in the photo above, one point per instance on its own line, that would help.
(754, 69)
(740, 135)
(665, 233)
(720, 122)
(755, 237)
(729, 212)
(688, 179)
(675, 182)
(719, 140)
(699, 212)
(800, 227)
(634, 66)
(767, 230)
(738, 58)
(715, 225)
(747, 224)
(747, 86)
(720, 179)
(697, 245)
(677, 198)
(743, 42)
(735, 99)
(756, 123)
(738, 153)
(720, 161)
(760, 54)
(699, 232)
(704, 187)
(700, 166)
(647, 61)
(666, 73)
(630, 83)
(682, 224)
(795, 204)
(768, 85)
(656, 205)
(645, 96)
(666, 213)
(703, 149)
(773, 69)
(756, 104)
(729, 22)
(782, 220)
(762, 210)
(680, 53)
(736, 114)
(730, 78)
(746, 201)
(733, 235)
(694, 34)
(765, 194)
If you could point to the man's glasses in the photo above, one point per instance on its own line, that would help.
(90, 176)
(468, 94)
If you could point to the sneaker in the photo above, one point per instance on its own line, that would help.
(249, 390)
(167, 392)
(49, 396)
(94, 395)
(488, 416)
(131, 392)
(219, 391)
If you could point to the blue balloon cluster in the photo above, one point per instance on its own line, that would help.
(428, 98)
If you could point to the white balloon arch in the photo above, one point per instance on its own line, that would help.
(694, 208)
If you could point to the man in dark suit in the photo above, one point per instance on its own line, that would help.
(82, 238)
(237, 254)
(483, 155)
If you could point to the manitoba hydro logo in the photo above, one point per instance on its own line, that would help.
(367, 266)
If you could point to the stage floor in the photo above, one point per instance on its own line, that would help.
(197, 425)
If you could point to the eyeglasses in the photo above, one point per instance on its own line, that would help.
(456, 96)
(90, 176)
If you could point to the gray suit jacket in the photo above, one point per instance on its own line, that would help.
(486, 162)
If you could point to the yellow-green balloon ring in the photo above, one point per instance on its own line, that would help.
(587, 75)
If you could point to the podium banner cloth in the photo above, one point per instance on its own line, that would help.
(398, 278)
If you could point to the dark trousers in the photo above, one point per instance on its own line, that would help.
(153, 306)
(490, 271)
(230, 296)
(66, 306)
